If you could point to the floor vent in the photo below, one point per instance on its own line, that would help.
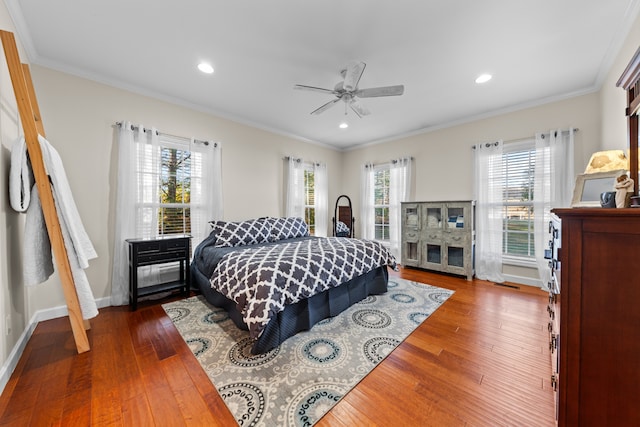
(507, 285)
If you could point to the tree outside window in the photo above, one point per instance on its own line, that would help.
(175, 192)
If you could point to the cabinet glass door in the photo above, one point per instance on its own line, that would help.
(455, 256)
(411, 216)
(411, 254)
(433, 255)
(456, 216)
(433, 217)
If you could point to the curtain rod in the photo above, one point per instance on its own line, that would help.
(526, 138)
(298, 160)
(197, 141)
(393, 161)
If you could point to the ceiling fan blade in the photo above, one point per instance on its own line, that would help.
(325, 106)
(359, 108)
(314, 89)
(352, 75)
(380, 91)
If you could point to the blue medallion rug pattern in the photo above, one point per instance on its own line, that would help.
(298, 382)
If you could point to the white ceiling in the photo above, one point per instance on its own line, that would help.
(537, 51)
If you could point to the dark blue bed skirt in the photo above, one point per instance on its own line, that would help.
(302, 315)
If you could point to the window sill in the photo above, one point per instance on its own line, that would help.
(519, 261)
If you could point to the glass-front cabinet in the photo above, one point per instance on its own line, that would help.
(444, 240)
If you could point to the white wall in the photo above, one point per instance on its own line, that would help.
(613, 100)
(13, 312)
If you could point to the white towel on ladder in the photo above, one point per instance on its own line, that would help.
(37, 263)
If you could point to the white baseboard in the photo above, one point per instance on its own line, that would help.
(521, 280)
(41, 315)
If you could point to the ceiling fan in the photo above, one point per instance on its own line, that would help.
(347, 91)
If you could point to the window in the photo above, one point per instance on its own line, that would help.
(165, 186)
(516, 186)
(381, 179)
(384, 187)
(306, 196)
(309, 198)
(174, 213)
(174, 186)
(518, 172)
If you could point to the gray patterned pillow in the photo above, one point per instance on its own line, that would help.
(341, 227)
(242, 233)
(288, 228)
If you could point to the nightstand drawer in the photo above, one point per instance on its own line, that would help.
(177, 244)
(158, 257)
(148, 247)
(161, 245)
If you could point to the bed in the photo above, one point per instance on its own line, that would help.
(275, 280)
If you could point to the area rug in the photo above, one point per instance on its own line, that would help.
(298, 382)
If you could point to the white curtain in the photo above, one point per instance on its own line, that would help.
(136, 203)
(554, 180)
(489, 192)
(125, 225)
(366, 203)
(294, 205)
(399, 191)
(206, 188)
(321, 189)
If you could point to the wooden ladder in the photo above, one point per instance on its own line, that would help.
(32, 126)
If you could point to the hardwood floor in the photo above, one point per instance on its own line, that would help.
(481, 359)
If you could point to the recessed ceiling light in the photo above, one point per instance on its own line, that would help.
(344, 125)
(483, 78)
(205, 68)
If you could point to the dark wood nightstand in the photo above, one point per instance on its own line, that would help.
(160, 250)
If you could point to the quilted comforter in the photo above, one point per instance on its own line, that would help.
(262, 280)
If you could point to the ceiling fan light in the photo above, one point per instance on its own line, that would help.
(483, 78)
(343, 125)
(205, 68)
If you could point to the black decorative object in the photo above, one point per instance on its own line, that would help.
(608, 199)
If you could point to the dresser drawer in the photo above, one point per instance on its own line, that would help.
(432, 236)
(456, 239)
(412, 235)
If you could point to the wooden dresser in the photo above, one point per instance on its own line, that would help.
(599, 373)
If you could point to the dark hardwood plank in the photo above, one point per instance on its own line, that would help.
(480, 359)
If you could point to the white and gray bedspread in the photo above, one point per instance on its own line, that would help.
(262, 280)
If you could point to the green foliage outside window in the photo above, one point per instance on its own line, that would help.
(174, 215)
